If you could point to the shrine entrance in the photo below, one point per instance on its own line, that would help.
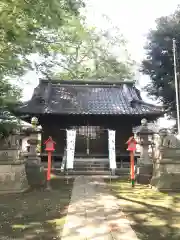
(91, 141)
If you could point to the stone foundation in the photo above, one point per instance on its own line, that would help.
(144, 173)
(35, 172)
(13, 176)
(166, 175)
(170, 153)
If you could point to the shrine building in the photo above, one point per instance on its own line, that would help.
(91, 108)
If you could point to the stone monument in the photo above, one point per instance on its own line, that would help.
(12, 169)
(166, 172)
(144, 166)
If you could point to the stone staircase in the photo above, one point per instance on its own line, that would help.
(89, 166)
(85, 166)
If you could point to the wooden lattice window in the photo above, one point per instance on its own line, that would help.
(91, 132)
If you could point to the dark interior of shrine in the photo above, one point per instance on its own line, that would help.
(91, 135)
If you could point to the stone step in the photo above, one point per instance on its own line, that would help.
(84, 168)
(82, 172)
(58, 165)
(91, 176)
(118, 172)
(91, 169)
(91, 165)
(91, 160)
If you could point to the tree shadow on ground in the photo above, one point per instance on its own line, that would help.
(35, 214)
(154, 215)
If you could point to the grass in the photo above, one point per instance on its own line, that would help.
(153, 215)
(36, 214)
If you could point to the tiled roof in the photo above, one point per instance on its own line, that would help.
(91, 98)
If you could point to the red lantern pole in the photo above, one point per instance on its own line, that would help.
(132, 168)
(131, 148)
(49, 166)
(49, 148)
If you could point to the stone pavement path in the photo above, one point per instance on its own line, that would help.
(95, 214)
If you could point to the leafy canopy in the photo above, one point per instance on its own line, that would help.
(55, 31)
(82, 53)
(158, 63)
(26, 27)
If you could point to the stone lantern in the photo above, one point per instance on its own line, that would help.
(33, 140)
(144, 163)
(34, 170)
(143, 134)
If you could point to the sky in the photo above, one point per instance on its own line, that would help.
(133, 18)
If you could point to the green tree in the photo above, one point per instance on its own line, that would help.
(9, 94)
(158, 63)
(27, 27)
(83, 53)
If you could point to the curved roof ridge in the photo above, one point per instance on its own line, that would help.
(87, 82)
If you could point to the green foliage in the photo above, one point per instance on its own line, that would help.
(159, 59)
(53, 30)
(7, 127)
(83, 53)
(9, 94)
(26, 27)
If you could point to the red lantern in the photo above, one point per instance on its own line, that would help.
(50, 145)
(131, 144)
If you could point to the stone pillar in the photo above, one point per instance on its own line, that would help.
(33, 141)
(34, 170)
(144, 163)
